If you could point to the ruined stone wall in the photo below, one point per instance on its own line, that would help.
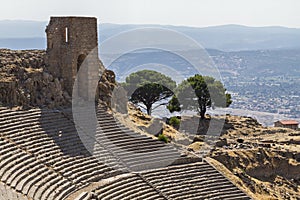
(26, 82)
(69, 41)
(39, 78)
(106, 86)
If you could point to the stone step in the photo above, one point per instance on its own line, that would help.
(114, 127)
(180, 168)
(137, 142)
(129, 190)
(43, 146)
(26, 139)
(126, 150)
(4, 123)
(149, 165)
(206, 177)
(28, 175)
(169, 158)
(29, 140)
(107, 174)
(132, 143)
(120, 133)
(118, 187)
(30, 128)
(130, 187)
(12, 115)
(109, 124)
(55, 190)
(165, 176)
(18, 168)
(105, 119)
(6, 149)
(41, 184)
(27, 119)
(44, 158)
(75, 169)
(65, 192)
(163, 153)
(87, 174)
(117, 183)
(23, 172)
(13, 127)
(34, 129)
(70, 161)
(178, 171)
(223, 193)
(35, 181)
(50, 187)
(235, 196)
(147, 193)
(204, 188)
(9, 160)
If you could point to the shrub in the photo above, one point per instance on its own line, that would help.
(162, 137)
(175, 122)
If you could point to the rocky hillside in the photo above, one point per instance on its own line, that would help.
(25, 82)
(263, 161)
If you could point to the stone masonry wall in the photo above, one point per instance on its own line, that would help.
(69, 41)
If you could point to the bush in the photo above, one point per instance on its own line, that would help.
(175, 122)
(162, 137)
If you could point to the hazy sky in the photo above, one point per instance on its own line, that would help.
(174, 12)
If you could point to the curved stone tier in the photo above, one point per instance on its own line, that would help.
(188, 181)
(43, 158)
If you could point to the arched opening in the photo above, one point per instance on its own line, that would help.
(81, 80)
(80, 60)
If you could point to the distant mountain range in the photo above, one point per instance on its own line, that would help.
(18, 34)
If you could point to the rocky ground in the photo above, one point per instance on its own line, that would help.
(265, 160)
(262, 161)
(26, 82)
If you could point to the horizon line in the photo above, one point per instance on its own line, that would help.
(158, 24)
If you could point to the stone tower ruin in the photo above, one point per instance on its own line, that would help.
(69, 41)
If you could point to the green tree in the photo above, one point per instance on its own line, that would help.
(174, 104)
(199, 92)
(147, 87)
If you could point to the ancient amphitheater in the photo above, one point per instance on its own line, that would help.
(43, 157)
